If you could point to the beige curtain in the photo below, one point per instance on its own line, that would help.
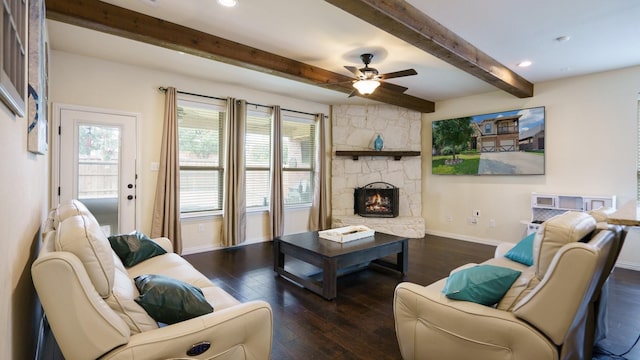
(166, 208)
(276, 205)
(234, 224)
(318, 219)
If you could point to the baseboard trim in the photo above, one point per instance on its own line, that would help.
(463, 237)
(199, 249)
(628, 265)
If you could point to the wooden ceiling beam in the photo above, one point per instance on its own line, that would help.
(403, 20)
(111, 19)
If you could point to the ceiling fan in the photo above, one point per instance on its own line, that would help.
(368, 79)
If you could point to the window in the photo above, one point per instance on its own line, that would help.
(201, 145)
(258, 159)
(98, 153)
(298, 145)
(12, 60)
(507, 127)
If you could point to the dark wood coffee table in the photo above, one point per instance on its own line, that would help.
(335, 259)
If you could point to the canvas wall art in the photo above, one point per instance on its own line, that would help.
(37, 90)
(502, 143)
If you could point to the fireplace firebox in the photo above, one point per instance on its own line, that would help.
(377, 199)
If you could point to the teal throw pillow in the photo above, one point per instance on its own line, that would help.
(169, 300)
(523, 251)
(134, 248)
(482, 284)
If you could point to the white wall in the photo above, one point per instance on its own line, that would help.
(23, 190)
(87, 81)
(591, 148)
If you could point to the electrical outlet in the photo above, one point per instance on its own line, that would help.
(492, 223)
(449, 218)
(200, 228)
(472, 220)
(476, 213)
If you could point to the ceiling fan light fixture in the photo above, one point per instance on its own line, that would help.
(366, 87)
(228, 3)
(524, 63)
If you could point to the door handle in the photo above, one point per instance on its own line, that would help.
(130, 197)
(130, 186)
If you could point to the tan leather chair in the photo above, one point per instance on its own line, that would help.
(88, 298)
(551, 317)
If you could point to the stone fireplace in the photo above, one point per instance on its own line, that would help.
(354, 128)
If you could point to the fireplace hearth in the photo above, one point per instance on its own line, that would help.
(378, 199)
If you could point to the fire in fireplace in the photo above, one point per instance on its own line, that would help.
(378, 199)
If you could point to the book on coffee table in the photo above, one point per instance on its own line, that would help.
(346, 233)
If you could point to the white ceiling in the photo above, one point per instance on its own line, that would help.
(604, 35)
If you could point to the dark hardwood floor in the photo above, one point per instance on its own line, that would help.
(359, 323)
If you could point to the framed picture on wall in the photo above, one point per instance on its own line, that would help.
(503, 143)
(13, 61)
(37, 90)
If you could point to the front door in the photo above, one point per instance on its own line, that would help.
(97, 164)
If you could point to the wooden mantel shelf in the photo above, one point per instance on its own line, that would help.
(397, 155)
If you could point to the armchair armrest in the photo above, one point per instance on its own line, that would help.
(431, 326)
(243, 331)
(165, 243)
(502, 249)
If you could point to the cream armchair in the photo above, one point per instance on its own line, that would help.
(88, 298)
(547, 314)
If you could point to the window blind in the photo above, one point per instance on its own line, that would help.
(298, 147)
(201, 147)
(258, 158)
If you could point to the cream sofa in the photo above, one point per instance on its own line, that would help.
(549, 312)
(88, 298)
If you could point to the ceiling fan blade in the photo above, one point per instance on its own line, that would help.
(398, 74)
(353, 93)
(355, 71)
(393, 87)
(335, 83)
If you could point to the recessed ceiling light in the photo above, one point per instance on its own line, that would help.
(525, 63)
(563, 38)
(228, 3)
(150, 2)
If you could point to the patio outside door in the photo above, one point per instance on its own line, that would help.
(97, 164)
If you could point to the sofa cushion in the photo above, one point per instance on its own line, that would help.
(601, 215)
(68, 209)
(523, 251)
(172, 265)
(134, 247)
(82, 236)
(169, 300)
(482, 284)
(219, 298)
(122, 301)
(562, 229)
(520, 288)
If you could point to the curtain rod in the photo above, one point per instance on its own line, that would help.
(164, 89)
